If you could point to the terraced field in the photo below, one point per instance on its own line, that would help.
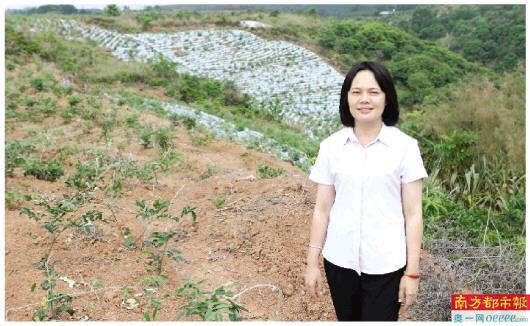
(282, 77)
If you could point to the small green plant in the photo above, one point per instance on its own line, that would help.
(129, 240)
(211, 169)
(10, 66)
(48, 107)
(16, 154)
(159, 210)
(163, 138)
(85, 178)
(210, 306)
(265, 172)
(131, 121)
(13, 200)
(155, 280)
(49, 171)
(38, 84)
(90, 114)
(74, 100)
(145, 137)
(52, 304)
(85, 223)
(107, 124)
(115, 189)
(29, 102)
(68, 90)
(156, 304)
(157, 243)
(57, 218)
(200, 140)
(55, 221)
(220, 201)
(69, 114)
(169, 159)
(189, 210)
(177, 120)
(67, 150)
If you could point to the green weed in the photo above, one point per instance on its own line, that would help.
(145, 137)
(157, 243)
(265, 172)
(74, 100)
(177, 120)
(13, 200)
(52, 304)
(189, 210)
(220, 201)
(158, 210)
(211, 170)
(131, 121)
(16, 154)
(49, 171)
(163, 138)
(38, 84)
(55, 219)
(85, 178)
(198, 139)
(209, 305)
(156, 304)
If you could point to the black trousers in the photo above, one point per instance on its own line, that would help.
(368, 297)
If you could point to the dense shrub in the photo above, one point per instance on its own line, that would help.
(419, 67)
(492, 35)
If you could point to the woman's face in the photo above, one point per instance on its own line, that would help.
(365, 98)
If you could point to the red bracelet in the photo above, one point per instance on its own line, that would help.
(414, 276)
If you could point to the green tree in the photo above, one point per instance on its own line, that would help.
(145, 20)
(111, 10)
(422, 18)
(312, 12)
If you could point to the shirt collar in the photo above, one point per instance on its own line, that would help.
(384, 135)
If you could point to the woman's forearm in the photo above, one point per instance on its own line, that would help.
(319, 228)
(412, 210)
(319, 225)
(414, 231)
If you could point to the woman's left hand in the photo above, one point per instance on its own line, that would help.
(408, 291)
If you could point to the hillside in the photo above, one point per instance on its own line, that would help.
(126, 177)
(492, 35)
(281, 77)
(249, 208)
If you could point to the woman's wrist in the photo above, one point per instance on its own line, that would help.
(412, 276)
(317, 247)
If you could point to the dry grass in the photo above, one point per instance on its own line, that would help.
(495, 110)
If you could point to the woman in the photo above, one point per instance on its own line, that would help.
(368, 216)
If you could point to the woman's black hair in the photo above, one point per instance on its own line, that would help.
(384, 79)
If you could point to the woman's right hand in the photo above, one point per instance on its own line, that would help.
(313, 281)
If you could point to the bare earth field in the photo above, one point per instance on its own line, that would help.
(254, 244)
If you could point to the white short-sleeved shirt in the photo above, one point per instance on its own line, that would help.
(366, 230)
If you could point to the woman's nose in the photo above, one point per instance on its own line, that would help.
(364, 98)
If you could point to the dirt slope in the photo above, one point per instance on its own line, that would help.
(254, 244)
(258, 237)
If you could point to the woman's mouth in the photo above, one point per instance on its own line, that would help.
(365, 110)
